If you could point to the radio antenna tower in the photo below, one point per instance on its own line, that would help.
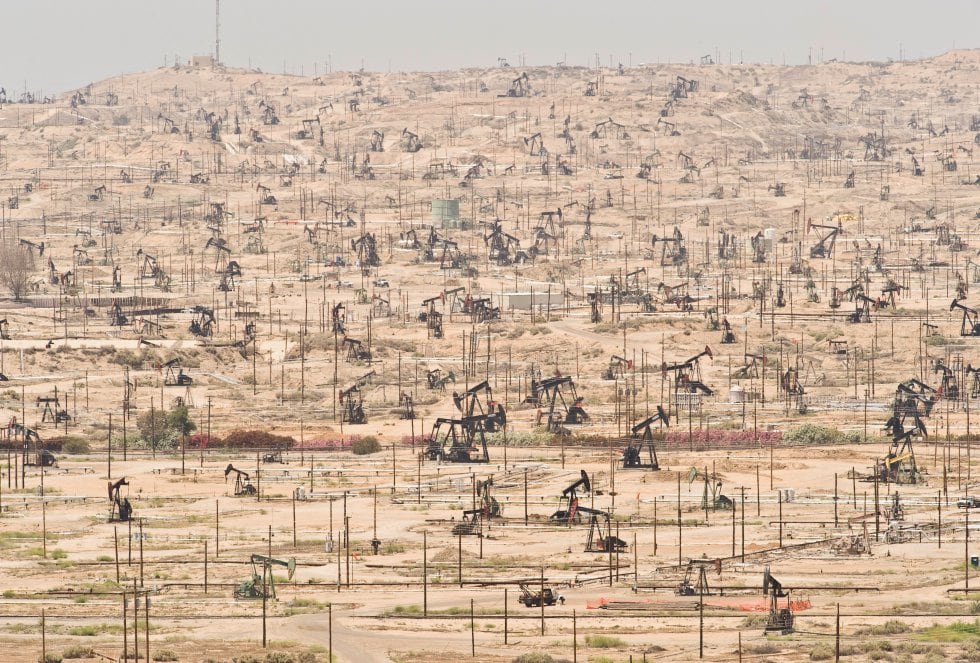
(217, 33)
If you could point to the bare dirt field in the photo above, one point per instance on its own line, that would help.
(393, 341)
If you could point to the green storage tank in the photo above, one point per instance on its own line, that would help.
(445, 213)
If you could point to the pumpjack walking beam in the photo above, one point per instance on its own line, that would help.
(469, 404)
(121, 510)
(780, 619)
(202, 324)
(600, 537)
(617, 368)
(32, 453)
(699, 567)
(243, 486)
(688, 374)
(970, 326)
(175, 376)
(913, 399)
(642, 438)
(262, 585)
(568, 502)
(975, 385)
(466, 437)
(571, 412)
(353, 404)
(488, 509)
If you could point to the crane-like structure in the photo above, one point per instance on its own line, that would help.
(824, 248)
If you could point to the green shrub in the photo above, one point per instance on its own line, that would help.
(255, 439)
(247, 658)
(604, 642)
(814, 434)
(74, 445)
(763, 648)
(79, 651)
(131, 358)
(366, 445)
(918, 648)
(165, 655)
(88, 630)
(955, 632)
(392, 547)
(753, 621)
(279, 657)
(49, 658)
(530, 439)
(309, 395)
(534, 657)
(891, 627)
(162, 429)
(822, 651)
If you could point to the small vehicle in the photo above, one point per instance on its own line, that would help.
(533, 599)
(968, 502)
(381, 283)
(273, 456)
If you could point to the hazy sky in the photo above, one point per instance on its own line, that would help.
(56, 45)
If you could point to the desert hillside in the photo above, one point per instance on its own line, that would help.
(212, 276)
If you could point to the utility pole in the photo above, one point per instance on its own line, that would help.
(742, 507)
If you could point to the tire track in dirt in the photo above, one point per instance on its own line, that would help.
(360, 645)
